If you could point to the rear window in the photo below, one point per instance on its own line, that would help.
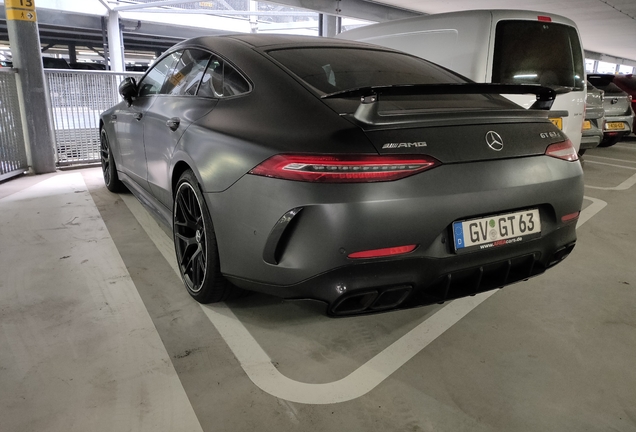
(533, 52)
(334, 69)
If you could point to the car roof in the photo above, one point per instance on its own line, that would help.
(264, 42)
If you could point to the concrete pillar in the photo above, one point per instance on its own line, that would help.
(115, 43)
(24, 39)
(329, 25)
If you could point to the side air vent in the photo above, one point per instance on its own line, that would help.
(275, 241)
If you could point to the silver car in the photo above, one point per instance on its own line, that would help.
(619, 116)
(594, 119)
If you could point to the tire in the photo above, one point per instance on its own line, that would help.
(195, 244)
(109, 170)
(610, 141)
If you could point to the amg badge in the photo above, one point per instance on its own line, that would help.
(404, 145)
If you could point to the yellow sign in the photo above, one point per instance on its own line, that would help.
(21, 15)
(558, 122)
(20, 4)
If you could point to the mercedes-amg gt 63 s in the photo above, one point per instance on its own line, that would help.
(369, 179)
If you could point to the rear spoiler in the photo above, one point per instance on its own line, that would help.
(367, 112)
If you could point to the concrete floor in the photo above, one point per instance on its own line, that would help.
(97, 332)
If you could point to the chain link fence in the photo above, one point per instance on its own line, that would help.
(77, 99)
(13, 158)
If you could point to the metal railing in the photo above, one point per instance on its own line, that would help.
(13, 158)
(77, 99)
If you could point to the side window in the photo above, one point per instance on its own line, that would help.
(151, 84)
(185, 78)
(222, 80)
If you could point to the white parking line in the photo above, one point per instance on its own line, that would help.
(625, 147)
(623, 186)
(608, 158)
(258, 365)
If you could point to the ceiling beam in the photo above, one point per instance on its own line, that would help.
(106, 5)
(231, 12)
(360, 9)
(152, 5)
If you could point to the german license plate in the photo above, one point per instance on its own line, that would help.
(494, 231)
(614, 126)
(587, 125)
(558, 122)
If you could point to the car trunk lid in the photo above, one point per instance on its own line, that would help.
(452, 123)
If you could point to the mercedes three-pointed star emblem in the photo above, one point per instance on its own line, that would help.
(494, 141)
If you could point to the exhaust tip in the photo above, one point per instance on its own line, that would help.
(371, 301)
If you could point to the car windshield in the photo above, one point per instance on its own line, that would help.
(533, 52)
(329, 70)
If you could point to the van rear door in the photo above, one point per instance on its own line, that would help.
(543, 52)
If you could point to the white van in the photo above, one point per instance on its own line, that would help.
(498, 46)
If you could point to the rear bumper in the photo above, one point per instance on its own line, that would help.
(627, 120)
(311, 255)
(591, 138)
(406, 283)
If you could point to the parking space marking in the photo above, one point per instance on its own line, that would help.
(623, 186)
(608, 158)
(591, 210)
(259, 367)
(625, 147)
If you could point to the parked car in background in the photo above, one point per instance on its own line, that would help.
(136, 67)
(55, 63)
(594, 119)
(627, 83)
(6, 63)
(619, 116)
(316, 168)
(87, 66)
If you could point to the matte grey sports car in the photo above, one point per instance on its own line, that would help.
(369, 179)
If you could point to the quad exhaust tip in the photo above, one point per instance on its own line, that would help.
(372, 301)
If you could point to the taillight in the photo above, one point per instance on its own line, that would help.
(378, 253)
(563, 150)
(343, 168)
(570, 217)
(544, 18)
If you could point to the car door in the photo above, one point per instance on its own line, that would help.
(130, 122)
(170, 115)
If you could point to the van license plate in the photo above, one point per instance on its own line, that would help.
(587, 125)
(614, 126)
(558, 122)
(494, 231)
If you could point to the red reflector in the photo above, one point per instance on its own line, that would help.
(544, 18)
(343, 168)
(570, 217)
(563, 150)
(377, 253)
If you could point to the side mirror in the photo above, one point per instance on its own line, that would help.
(128, 89)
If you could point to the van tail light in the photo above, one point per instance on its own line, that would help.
(378, 253)
(563, 150)
(343, 168)
(544, 18)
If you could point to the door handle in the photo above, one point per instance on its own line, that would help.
(173, 123)
(138, 116)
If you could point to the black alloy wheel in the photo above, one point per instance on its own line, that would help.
(111, 179)
(195, 243)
